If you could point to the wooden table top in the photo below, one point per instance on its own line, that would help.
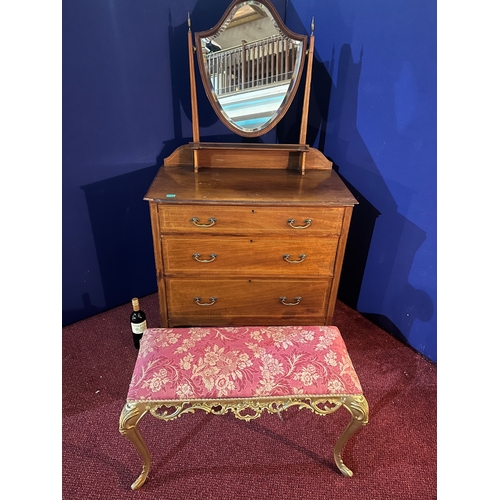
(179, 184)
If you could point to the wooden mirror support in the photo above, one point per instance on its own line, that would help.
(250, 79)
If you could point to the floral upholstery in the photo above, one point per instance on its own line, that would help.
(242, 362)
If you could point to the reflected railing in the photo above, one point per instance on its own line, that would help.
(261, 63)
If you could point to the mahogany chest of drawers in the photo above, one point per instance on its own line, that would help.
(237, 246)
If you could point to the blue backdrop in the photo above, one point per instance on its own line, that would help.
(126, 106)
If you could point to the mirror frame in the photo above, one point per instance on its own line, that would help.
(290, 95)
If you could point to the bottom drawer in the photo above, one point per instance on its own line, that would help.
(194, 302)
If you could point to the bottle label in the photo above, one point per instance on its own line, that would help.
(139, 327)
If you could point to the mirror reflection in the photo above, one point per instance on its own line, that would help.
(251, 67)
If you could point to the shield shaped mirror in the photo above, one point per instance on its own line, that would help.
(250, 64)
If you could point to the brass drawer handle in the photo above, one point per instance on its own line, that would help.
(286, 258)
(196, 257)
(213, 300)
(212, 221)
(297, 300)
(307, 223)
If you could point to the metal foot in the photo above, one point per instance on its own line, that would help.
(129, 418)
(358, 408)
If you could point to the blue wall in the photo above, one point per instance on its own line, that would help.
(373, 113)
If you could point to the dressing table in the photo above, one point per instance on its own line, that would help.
(249, 233)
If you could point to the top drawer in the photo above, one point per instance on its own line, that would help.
(237, 219)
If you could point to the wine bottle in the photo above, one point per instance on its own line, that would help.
(137, 322)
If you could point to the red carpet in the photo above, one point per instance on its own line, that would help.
(210, 457)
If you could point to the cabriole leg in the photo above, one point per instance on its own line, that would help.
(358, 408)
(129, 418)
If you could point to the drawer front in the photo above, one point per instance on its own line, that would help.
(243, 255)
(236, 219)
(247, 301)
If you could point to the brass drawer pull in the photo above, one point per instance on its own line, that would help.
(297, 300)
(213, 300)
(212, 221)
(196, 257)
(286, 258)
(307, 223)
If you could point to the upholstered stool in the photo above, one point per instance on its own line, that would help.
(245, 370)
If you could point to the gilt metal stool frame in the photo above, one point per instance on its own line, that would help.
(243, 409)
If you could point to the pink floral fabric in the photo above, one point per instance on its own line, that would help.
(242, 362)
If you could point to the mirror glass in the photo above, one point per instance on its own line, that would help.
(250, 65)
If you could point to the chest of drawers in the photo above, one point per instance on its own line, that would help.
(237, 246)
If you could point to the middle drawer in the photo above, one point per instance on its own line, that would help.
(242, 255)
